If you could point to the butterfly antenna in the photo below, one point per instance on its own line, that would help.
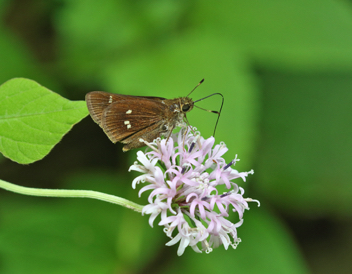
(196, 87)
(212, 111)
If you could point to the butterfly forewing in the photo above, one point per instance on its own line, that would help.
(123, 116)
(122, 119)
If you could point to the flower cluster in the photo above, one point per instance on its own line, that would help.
(182, 174)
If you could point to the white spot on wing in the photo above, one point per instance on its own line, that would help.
(129, 111)
(110, 99)
(127, 123)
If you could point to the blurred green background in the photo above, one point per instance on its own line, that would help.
(285, 69)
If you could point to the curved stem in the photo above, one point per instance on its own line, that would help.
(68, 193)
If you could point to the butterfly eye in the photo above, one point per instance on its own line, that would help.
(185, 107)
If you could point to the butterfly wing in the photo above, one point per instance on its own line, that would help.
(97, 102)
(126, 118)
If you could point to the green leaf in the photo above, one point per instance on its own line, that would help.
(33, 119)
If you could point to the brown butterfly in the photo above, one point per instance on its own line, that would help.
(127, 119)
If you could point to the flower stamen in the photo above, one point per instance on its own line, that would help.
(232, 162)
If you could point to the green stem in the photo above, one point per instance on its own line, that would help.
(68, 193)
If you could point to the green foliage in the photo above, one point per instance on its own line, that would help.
(73, 235)
(308, 141)
(33, 119)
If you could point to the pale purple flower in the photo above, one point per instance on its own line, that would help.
(182, 174)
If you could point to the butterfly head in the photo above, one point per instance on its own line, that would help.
(186, 104)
